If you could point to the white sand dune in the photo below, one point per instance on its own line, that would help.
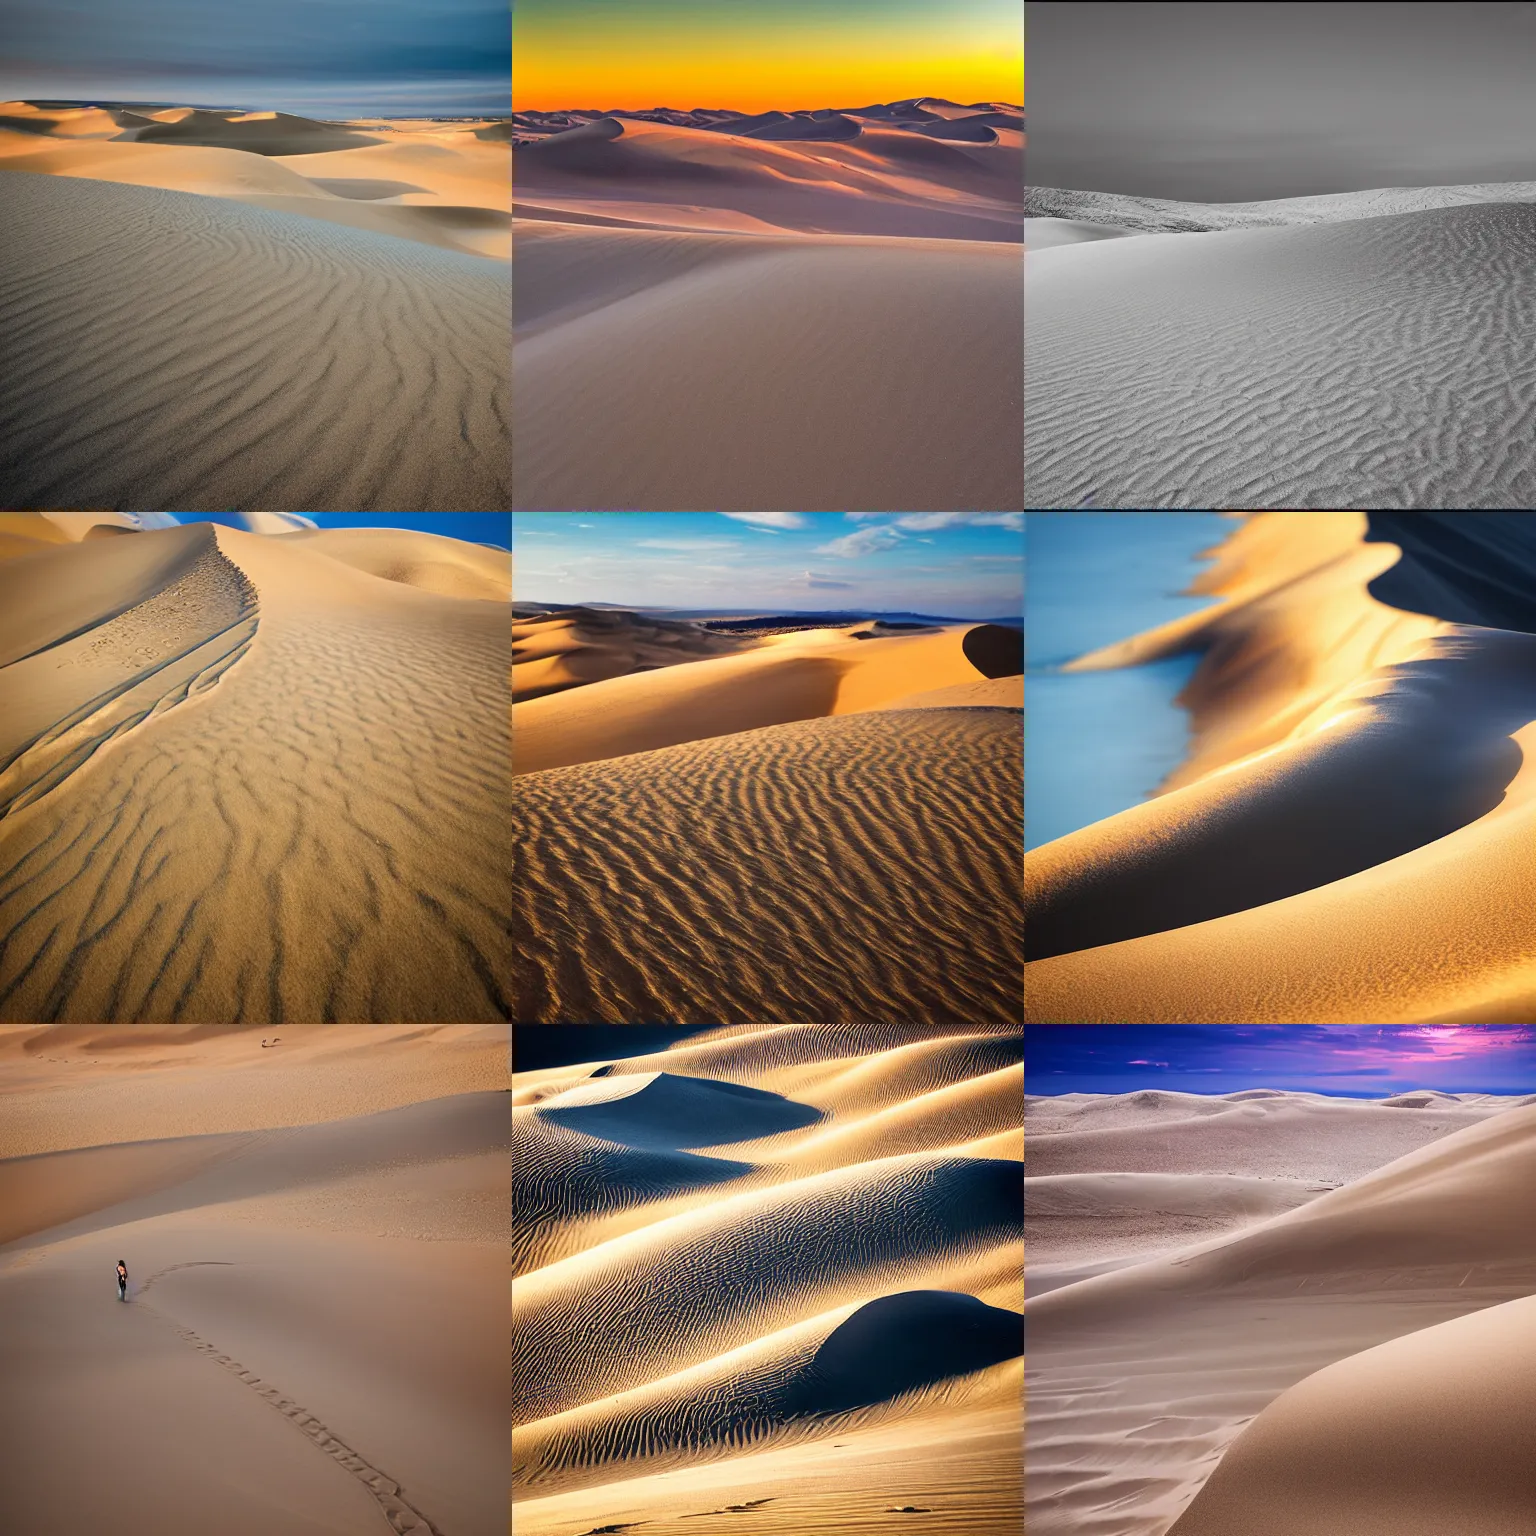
(782, 872)
(268, 263)
(338, 1254)
(762, 1341)
(1224, 369)
(217, 691)
(1144, 1375)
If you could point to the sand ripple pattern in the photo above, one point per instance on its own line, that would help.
(170, 350)
(403, 1518)
(778, 874)
(1376, 363)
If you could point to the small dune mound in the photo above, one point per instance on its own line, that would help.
(995, 650)
(961, 130)
(447, 567)
(836, 129)
(259, 133)
(661, 1111)
(1255, 1093)
(900, 1343)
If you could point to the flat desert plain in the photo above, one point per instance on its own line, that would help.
(805, 825)
(770, 1280)
(251, 777)
(206, 310)
(315, 1228)
(812, 310)
(1351, 349)
(1280, 1314)
(1348, 840)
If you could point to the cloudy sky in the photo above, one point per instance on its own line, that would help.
(1320, 1058)
(475, 527)
(949, 564)
(1227, 100)
(335, 58)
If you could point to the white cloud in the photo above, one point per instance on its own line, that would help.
(687, 545)
(816, 579)
(867, 541)
(769, 519)
(926, 522)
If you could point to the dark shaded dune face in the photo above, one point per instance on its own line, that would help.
(834, 128)
(794, 864)
(107, 530)
(670, 1112)
(1463, 567)
(962, 130)
(994, 650)
(899, 1343)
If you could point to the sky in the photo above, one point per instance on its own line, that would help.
(1231, 100)
(475, 527)
(1373, 1062)
(329, 58)
(948, 564)
(753, 55)
(535, 1046)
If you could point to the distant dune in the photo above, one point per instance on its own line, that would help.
(1221, 369)
(750, 268)
(304, 741)
(268, 262)
(819, 1350)
(1308, 1324)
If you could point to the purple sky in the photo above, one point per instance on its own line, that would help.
(1322, 1058)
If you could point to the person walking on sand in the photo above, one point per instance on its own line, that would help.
(122, 1280)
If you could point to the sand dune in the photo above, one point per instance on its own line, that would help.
(761, 1342)
(1173, 370)
(792, 865)
(217, 690)
(283, 1251)
(1370, 762)
(1144, 1375)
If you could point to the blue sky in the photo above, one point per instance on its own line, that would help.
(332, 58)
(475, 527)
(961, 565)
(1322, 1058)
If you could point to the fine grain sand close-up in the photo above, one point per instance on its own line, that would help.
(1348, 839)
(1280, 1313)
(216, 310)
(712, 315)
(813, 826)
(314, 1337)
(770, 1277)
(251, 777)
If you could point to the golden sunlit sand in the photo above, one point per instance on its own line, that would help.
(771, 1270)
(314, 1224)
(208, 296)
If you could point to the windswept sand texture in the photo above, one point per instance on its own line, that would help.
(789, 817)
(1355, 353)
(825, 311)
(813, 1320)
(1378, 1244)
(1349, 839)
(247, 779)
(316, 1226)
(211, 310)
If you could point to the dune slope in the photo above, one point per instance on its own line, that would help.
(250, 372)
(1223, 369)
(777, 873)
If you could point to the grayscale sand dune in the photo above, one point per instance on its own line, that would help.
(777, 873)
(302, 1234)
(1147, 1365)
(272, 786)
(824, 1350)
(1365, 362)
(166, 349)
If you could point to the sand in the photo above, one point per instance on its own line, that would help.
(336, 1253)
(726, 838)
(814, 1319)
(1347, 842)
(267, 264)
(1224, 368)
(253, 778)
(755, 283)
(1159, 1375)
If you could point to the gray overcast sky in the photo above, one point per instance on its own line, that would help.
(1223, 102)
(331, 57)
